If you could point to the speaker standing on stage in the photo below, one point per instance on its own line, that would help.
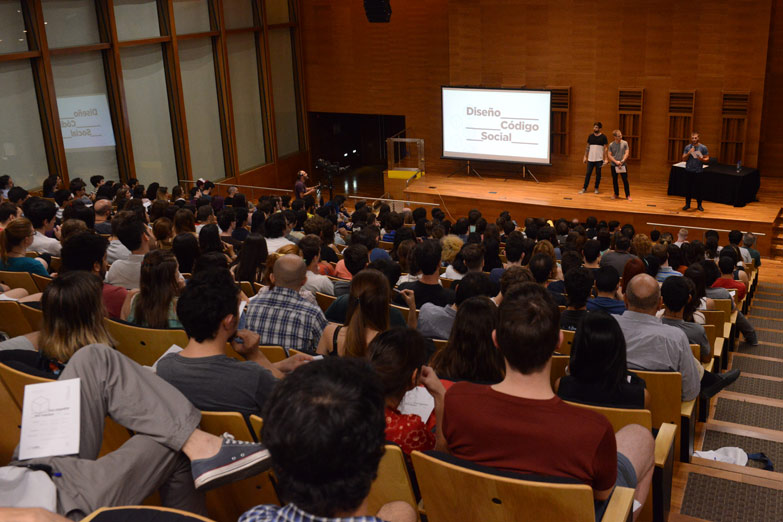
(595, 156)
(695, 156)
(300, 189)
(618, 154)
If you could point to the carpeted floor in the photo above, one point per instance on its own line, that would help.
(758, 366)
(758, 387)
(763, 302)
(749, 414)
(764, 335)
(762, 350)
(722, 500)
(774, 450)
(771, 314)
(766, 296)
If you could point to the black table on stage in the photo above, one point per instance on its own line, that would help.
(719, 183)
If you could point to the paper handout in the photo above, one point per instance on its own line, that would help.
(50, 419)
(418, 401)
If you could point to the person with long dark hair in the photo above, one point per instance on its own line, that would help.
(598, 370)
(399, 356)
(470, 354)
(186, 249)
(154, 305)
(251, 262)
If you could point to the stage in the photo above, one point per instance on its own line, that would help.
(650, 208)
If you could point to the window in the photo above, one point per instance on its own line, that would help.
(238, 14)
(148, 114)
(284, 91)
(201, 108)
(13, 37)
(70, 22)
(22, 154)
(136, 19)
(248, 118)
(277, 12)
(191, 16)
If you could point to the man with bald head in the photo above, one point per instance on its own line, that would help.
(102, 216)
(654, 346)
(281, 316)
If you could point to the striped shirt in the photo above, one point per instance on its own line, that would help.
(291, 513)
(282, 317)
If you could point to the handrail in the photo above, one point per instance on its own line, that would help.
(702, 228)
(240, 186)
(395, 200)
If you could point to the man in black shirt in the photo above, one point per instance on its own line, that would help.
(578, 284)
(427, 289)
(595, 156)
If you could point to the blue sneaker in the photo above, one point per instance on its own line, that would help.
(236, 460)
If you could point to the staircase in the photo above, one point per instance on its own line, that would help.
(776, 249)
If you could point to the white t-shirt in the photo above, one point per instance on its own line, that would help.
(273, 244)
(319, 283)
(450, 273)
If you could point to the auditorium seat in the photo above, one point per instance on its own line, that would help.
(392, 482)
(273, 353)
(143, 345)
(19, 280)
(147, 513)
(568, 342)
(12, 320)
(41, 282)
(454, 489)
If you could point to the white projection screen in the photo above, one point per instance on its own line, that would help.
(496, 124)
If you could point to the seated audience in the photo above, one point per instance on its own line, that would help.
(469, 259)
(251, 261)
(520, 425)
(726, 280)
(470, 354)
(515, 255)
(598, 372)
(679, 301)
(163, 231)
(450, 247)
(711, 275)
(281, 316)
(427, 289)
(134, 235)
(591, 252)
(275, 230)
(117, 250)
(184, 222)
(748, 240)
(324, 427)
(512, 276)
(661, 252)
(607, 285)
(618, 257)
(355, 258)
(86, 251)
(399, 356)
(541, 267)
(154, 304)
(436, 321)
(654, 346)
(310, 247)
(210, 379)
(578, 284)
(186, 249)
(15, 241)
(8, 212)
(42, 214)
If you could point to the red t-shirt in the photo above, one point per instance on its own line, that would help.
(408, 431)
(731, 284)
(113, 298)
(342, 272)
(543, 437)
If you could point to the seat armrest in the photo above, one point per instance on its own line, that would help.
(687, 408)
(664, 444)
(717, 350)
(620, 505)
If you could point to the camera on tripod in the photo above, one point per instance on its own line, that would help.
(330, 168)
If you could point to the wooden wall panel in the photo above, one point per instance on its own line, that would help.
(771, 144)
(596, 48)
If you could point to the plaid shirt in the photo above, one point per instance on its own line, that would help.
(291, 513)
(284, 318)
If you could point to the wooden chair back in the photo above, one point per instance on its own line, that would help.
(715, 318)
(453, 492)
(56, 264)
(568, 342)
(446, 282)
(41, 282)
(34, 316)
(559, 365)
(10, 424)
(724, 305)
(619, 418)
(257, 288)
(143, 345)
(392, 482)
(386, 245)
(665, 399)
(273, 353)
(19, 280)
(404, 310)
(247, 288)
(109, 514)
(324, 300)
(440, 344)
(712, 334)
(12, 320)
(230, 501)
(257, 423)
(696, 351)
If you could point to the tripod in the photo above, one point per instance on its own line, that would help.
(526, 171)
(468, 171)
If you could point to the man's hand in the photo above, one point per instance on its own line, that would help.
(292, 363)
(245, 343)
(57, 233)
(584, 159)
(410, 298)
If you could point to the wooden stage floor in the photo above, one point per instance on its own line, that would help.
(555, 198)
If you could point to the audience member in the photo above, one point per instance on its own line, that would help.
(427, 289)
(117, 250)
(154, 304)
(15, 241)
(310, 247)
(398, 356)
(598, 372)
(654, 346)
(281, 316)
(678, 301)
(726, 280)
(275, 230)
(541, 267)
(355, 258)
(42, 214)
(436, 321)
(515, 255)
(102, 216)
(661, 252)
(520, 425)
(749, 239)
(578, 284)
(607, 285)
(134, 235)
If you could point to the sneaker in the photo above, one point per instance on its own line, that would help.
(581, 191)
(628, 198)
(236, 460)
(596, 191)
(686, 207)
(724, 379)
(700, 208)
(614, 196)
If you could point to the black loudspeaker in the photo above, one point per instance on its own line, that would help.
(377, 11)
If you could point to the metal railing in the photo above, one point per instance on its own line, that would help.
(392, 200)
(703, 228)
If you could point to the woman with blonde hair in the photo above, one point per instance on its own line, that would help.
(368, 315)
(154, 304)
(641, 246)
(15, 239)
(450, 246)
